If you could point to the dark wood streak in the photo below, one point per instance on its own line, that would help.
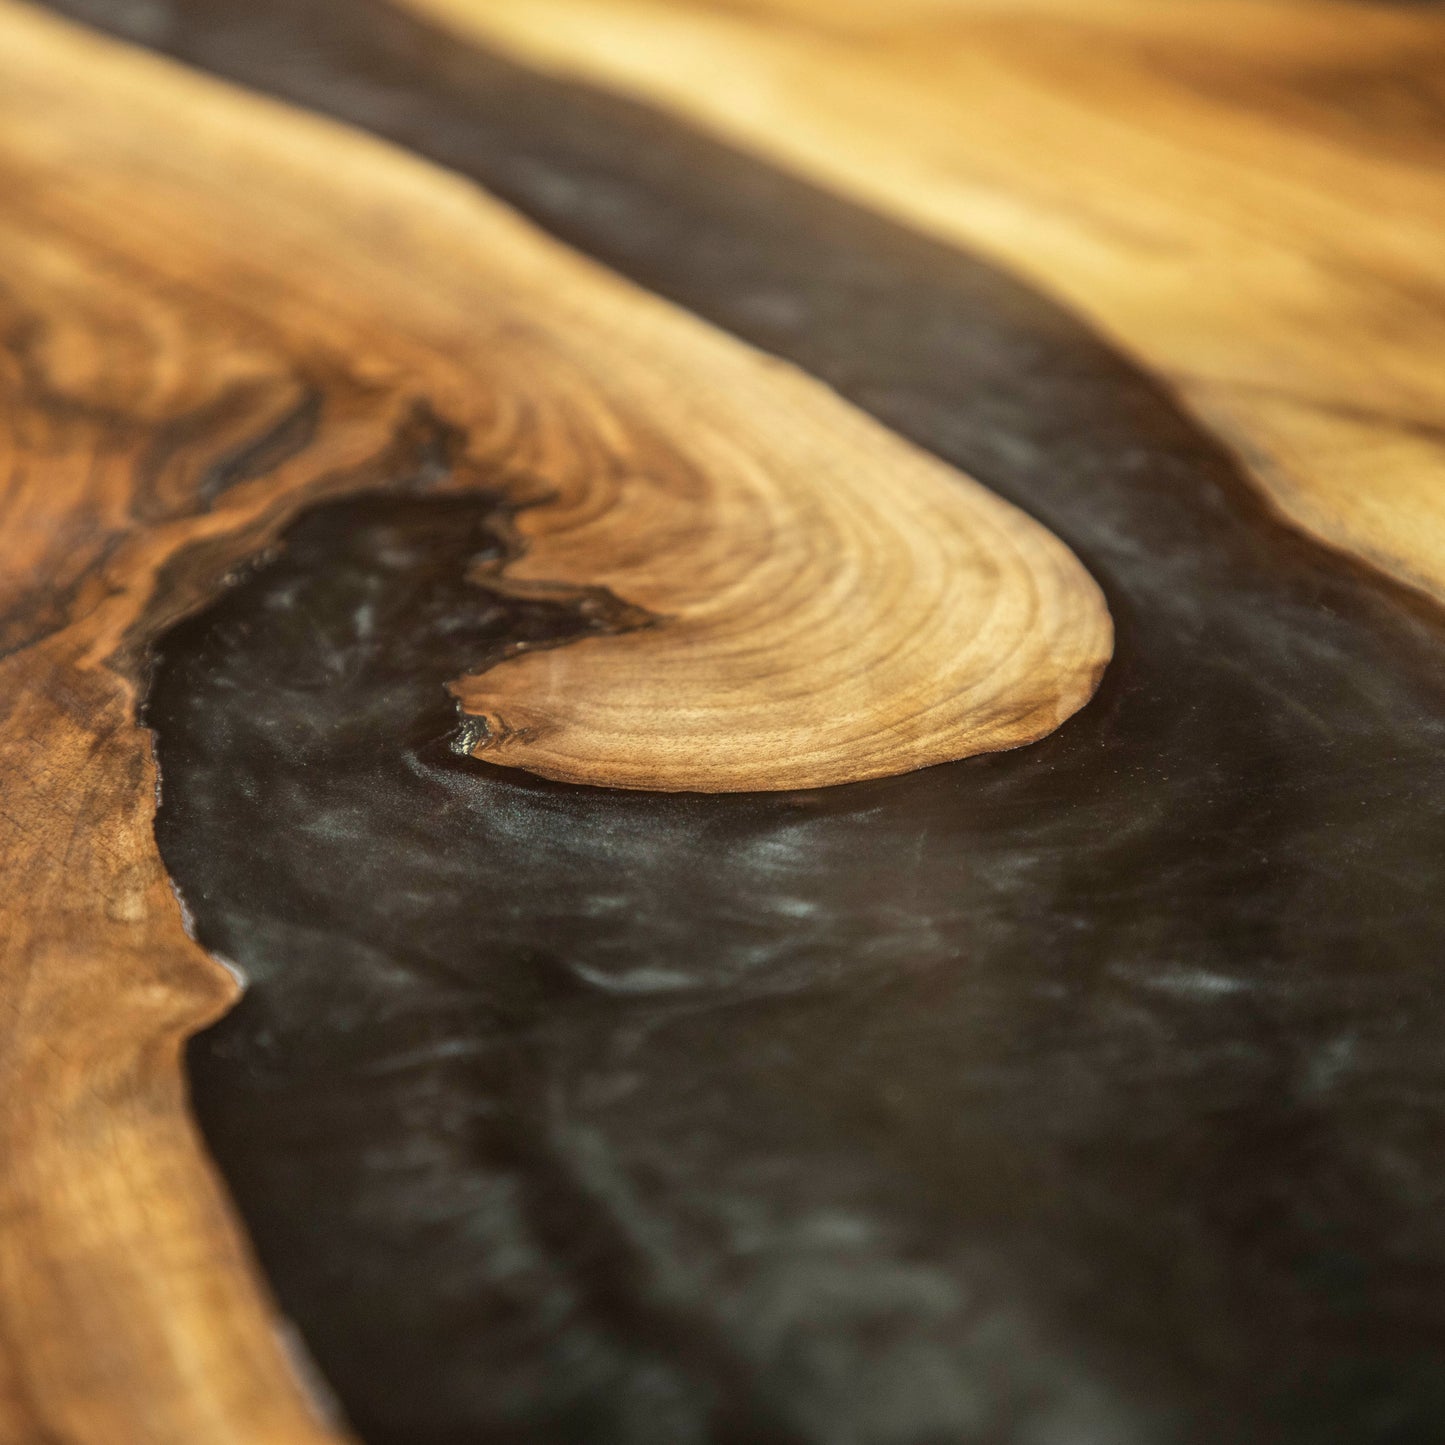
(1091, 1092)
(289, 434)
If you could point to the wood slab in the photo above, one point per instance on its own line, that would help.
(1228, 190)
(1088, 1090)
(205, 332)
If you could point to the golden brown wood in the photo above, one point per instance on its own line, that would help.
(829, 604)
(218, 310)
(1247, 194)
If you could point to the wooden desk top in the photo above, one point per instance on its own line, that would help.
(724, 722)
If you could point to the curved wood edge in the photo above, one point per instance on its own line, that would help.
(822, 603)
(827, 602)
(130, 1308)
(1246, 196)
(222, 313)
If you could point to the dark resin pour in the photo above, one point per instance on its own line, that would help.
(1093, 1091)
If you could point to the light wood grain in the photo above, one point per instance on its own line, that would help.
(828, 603)
(216, 311)
(1247, 195)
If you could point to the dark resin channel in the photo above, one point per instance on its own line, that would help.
(1092, 1094)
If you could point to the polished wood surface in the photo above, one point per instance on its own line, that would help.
(217, 311)
(1247, 195)
(1083, 1090)
(730, 514)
